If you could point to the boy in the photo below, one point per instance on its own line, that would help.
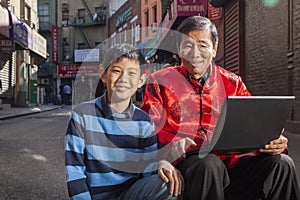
(111, 144)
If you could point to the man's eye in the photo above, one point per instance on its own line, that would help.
(187, 46)
(132, 73)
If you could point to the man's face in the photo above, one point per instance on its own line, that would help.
(197, 51)
(122, 80)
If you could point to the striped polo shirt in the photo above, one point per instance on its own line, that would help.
(106, 151)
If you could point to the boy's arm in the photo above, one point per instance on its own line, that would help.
(74, 160)
(169, 174)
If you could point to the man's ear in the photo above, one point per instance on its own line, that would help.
(142, 80)
(215, 50)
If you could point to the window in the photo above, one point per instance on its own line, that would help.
(65, 41)
(82, 46)
(43, 11)
(66, 52)
(146, 21)
(65, 15)
(81, 13)
(154, 8)
(27, 13)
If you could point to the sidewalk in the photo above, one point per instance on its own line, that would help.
(21, 111)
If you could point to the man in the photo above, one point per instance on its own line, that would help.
(184, 102)
(82, 90)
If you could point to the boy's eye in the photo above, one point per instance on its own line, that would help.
(115, 71)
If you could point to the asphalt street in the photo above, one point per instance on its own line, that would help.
(32, 156)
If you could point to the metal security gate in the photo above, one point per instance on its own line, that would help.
(234, 37)
(7, 77)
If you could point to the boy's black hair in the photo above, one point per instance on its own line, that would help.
(121, 51)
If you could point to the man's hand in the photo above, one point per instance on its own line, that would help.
(178, 150)
(171, 175)
(276, 146)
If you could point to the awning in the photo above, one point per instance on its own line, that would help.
(4, 22)
(27, 38)
(20, 32)
(148, 48)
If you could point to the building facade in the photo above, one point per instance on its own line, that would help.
(77, 41)
(23, 51)
(260, 42)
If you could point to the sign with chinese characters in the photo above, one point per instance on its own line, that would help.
(71, 70)
(191, 7)
(214, 13)
(55, 44)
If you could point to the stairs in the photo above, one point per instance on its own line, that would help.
(86, 6)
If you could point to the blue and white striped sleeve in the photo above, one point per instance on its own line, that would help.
(74, 159)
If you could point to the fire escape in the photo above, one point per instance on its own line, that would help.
(90, 19)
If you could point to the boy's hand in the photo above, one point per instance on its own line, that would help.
(171, 175)
(276, 146)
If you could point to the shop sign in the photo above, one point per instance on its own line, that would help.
(191, 7)
(86, 55)
(124, 17)
(7, 45)
(214, 13)
(71, 70)
(39, 44)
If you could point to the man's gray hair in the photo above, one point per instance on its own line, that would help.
(199, 23)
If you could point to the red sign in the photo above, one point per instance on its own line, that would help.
(55, 44)
(71, 70)
(191, 7)
(214, 13)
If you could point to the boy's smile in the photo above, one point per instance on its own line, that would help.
(122, 79)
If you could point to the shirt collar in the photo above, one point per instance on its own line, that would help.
(201, 80)
(108, 111)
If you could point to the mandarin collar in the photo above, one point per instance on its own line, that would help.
(203, 79)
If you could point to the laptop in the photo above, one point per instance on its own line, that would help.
(247, 123)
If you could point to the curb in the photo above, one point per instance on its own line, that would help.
(9, 116)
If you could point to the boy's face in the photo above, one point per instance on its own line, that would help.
(122, 79)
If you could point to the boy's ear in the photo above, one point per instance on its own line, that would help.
(103, 77)
(142, 80)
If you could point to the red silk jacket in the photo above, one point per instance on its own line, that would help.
(180, 107)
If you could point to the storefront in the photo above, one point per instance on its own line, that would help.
(6, 49)
(70, 74)
(30, 50)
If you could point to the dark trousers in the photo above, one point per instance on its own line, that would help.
(271, 177)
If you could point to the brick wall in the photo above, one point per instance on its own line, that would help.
(268, 66)
(266, 48)
(295, 124)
